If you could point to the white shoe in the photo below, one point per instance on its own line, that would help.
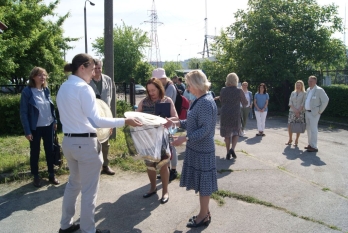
(243, 133)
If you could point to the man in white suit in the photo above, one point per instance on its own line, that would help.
(316, 102)
(102, 86)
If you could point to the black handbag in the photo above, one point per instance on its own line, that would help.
(57, 154)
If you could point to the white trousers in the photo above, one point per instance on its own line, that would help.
(312, 129)
(84, 160)
(261, 120)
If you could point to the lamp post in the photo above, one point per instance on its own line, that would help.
(92, 4)
(177, 59)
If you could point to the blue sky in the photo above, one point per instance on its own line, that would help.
(182, 31)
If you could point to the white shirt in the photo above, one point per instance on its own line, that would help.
(247, 96)
(308, 99)
(77, 108)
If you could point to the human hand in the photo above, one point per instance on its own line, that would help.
(178, 141)
(168, 124)
(55, 127)
(29, 137)
(133, 122)
(111, 131)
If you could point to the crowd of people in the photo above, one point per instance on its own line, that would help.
(87, 157)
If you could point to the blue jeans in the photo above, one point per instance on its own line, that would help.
(46, 133)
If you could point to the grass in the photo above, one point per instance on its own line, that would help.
(221, 194)
(325, 189)
(15, 164)
(219, 143)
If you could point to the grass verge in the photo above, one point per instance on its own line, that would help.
(221, 194)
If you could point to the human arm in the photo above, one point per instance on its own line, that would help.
(243, 100)
(324, 100)
(171, 92)
(24, 113)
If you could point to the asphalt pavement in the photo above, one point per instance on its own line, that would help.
(292, 191)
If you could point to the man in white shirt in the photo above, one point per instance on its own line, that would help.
(315, 104)
(102, 87)
(76, 103)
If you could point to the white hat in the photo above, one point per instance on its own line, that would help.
(159, 73)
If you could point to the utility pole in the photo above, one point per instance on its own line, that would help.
(206, 32)
(109, 53)
(154, 48)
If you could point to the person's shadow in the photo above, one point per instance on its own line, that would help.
(27, 197)
(128, 211)
(254, 140)
(308, 158)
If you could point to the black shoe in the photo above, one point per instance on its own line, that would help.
(102, 231)
(164, 200)
(158, 177)
(173, 174)
(228, 156)
(71, 229)
(37, 182)
(192, 224)
(233, 153)
(146, 195)
(54, 180)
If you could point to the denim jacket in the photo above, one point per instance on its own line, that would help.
(29, 112)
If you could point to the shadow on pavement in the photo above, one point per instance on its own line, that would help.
(308, 158)
(128, 211)
(11, 202)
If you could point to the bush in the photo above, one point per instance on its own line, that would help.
(338, 105)
(10, 123)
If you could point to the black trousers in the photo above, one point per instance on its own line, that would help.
(46, 133)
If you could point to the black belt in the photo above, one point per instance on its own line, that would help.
(82, 135)
(308, 110)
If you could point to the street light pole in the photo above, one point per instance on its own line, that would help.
(92, 4)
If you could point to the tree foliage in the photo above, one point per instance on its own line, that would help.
(143, 72)
(31, 40)
(129, 46)
(170, 67)
(280, 40)
(194, 63)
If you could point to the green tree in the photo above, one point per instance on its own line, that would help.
(170, 68)
(277, 40)
(129, 48)
(194, 63)
(143, 72)
(31, 40)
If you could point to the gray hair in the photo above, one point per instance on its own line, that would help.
(198, 79)
(232, 79)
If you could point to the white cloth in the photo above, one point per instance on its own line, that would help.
(76, 103)
(308, 99)
(312, 128)
(261, 120)
(247, 96)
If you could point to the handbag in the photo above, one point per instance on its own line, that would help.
(57, 154)
(298, 127)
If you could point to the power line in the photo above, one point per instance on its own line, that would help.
(154, 56)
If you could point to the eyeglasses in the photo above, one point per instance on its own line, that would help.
(42, 75)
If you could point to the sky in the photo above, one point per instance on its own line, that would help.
(180, 37)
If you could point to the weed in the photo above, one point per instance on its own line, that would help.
(325, 189)
(224, 170)
(219, 143)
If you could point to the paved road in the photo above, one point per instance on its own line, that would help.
(308, 192)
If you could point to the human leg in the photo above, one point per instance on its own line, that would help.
(152, 177)
(35, 152)
(227, 144)
(89, 162)
(165, 180)
(263, 121)
(73, 187)
(173, 162)
(314, 130)
(290, 135)
(105, 151)
(47, 137)
(308, 128)
(203, 218)
(258, 120)
(244, 113)
(296, 140)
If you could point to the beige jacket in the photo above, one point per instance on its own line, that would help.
(319, 100)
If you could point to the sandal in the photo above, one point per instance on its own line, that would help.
(289, 142)
(192, 223)
(194, 217)
(296, 143)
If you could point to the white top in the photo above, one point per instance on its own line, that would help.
(78, 113)
(308, 99)
(247, 96)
